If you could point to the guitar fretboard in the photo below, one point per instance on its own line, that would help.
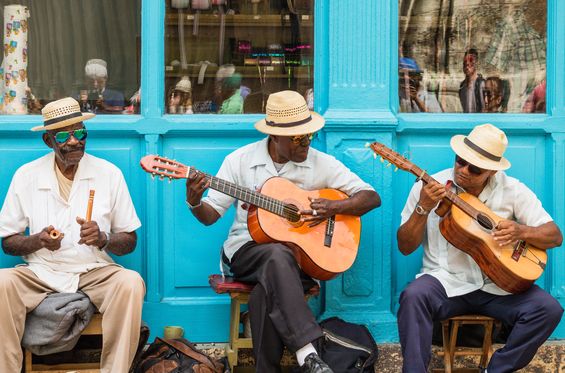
(253, 198)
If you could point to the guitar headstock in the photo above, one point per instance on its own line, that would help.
(391, 156)
(164, 167)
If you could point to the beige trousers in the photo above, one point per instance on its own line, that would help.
(116, 292)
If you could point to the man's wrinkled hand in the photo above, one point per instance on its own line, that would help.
(48, 242)
(90, 233)
(508, 232)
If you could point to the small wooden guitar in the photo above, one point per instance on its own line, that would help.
(322, 251)
(468, 226)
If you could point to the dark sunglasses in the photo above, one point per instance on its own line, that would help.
(472, 168)
(63, 136)
(303, 139)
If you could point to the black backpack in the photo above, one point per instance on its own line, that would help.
(177, 356)
(347, 347)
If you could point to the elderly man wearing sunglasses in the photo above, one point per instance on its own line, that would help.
(450, 283)
(51, 193)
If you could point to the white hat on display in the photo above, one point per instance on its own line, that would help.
(96, 68)
(184, 85)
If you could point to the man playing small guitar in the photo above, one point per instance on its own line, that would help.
(451, 283)
(279, 314)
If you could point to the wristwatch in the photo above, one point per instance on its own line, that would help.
(420, 210)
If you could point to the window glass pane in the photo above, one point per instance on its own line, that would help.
(227, 56)
(472, 56)
(47, 45)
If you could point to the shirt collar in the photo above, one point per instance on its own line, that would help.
(264, 159)
(48, 180)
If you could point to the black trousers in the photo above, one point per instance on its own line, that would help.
(279, 314)
(533, 316)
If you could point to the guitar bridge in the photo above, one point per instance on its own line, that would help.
(519, 250)
(330, 223)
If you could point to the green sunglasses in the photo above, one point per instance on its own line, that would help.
(63, 136)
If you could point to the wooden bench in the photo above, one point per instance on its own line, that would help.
(93, 328)
(450, 327)
(239, 294)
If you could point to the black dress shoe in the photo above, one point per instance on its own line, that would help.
(314, 364)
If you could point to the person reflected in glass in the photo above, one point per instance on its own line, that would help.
(494, 95)
(471, 89)
(180, 99)
(414, 98)
(535, 103)
(98, 98)
(231, 100)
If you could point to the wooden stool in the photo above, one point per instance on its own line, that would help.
(239, 294)
(93, 328)
(450, 327)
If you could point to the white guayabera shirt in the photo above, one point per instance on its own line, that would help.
(33, 201)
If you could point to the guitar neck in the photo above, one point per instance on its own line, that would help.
(251, 197)
(451, 196)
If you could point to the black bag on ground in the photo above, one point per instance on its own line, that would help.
(347, 347)
(177, 356)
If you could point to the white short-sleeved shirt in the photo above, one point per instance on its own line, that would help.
(33, 201)
(457, 271)
(251, 165)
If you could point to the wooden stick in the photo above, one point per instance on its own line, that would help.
(89, 207)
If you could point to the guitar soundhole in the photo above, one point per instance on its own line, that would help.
(291, 213)
(485, 222)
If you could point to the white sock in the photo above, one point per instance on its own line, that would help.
(303, 352)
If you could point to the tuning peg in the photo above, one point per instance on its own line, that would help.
(367, 144)
(382, 160)
(389, 164)
(152, 176)
(161, 177)
(170, 179)
(395, 169)
(374, 155)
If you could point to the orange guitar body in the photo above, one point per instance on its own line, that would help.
(309, 244)
(513, 273)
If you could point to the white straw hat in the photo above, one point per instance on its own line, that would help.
(484, 147)
(288, 115)
(61, 113)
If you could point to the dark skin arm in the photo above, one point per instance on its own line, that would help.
(20, 245)
(196, 185)
(546, 236)
(411, 233)
(120, 243)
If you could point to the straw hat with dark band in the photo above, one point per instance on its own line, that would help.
(61, 113)
(483, 147)
(288, 115)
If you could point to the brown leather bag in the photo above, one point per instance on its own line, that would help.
(177, 356)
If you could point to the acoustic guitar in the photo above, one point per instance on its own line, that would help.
(468, 226)
(322, 251)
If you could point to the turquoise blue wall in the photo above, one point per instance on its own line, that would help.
(355, 77)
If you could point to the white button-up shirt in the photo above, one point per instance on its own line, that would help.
(457, 271)
(251, 165)
(33, 201)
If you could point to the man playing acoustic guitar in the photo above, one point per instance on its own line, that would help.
(279, 314)
(450, 282)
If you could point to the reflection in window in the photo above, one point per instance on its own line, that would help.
(226, 57)
(87, 49)
(472, 56)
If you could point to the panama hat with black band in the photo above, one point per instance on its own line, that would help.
(288, 115)
(61, 113)
(484, 147)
